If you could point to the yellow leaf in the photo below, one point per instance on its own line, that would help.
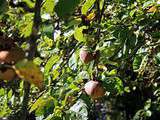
(153, 9)
(102, 67)
(91, 16)
(30, 72)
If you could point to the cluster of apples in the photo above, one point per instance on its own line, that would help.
(93, 88)
(10, 54)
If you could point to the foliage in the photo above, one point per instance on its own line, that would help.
(124, 38)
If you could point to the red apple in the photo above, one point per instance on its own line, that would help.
(94, 89)
(11, 56)
(85, 55)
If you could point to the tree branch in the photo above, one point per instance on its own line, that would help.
(31, 54)
(99, 18)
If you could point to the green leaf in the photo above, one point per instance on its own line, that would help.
(156, 35)
(2, 92)
(41, 103)
(53, 59)
(132, 12)
(109, 51)
(137, 62)
(66, 7)
(113, 84)
(83, 75)
(73, 87)
(139, 115)
(25, 25)
(74, 22)
(111, 63)
(29, 3)
(119, 85)
(79, 111)
(3, 6)
(102, 2)
(50, 117)
(38, 61)
(131, 40)
(127, 89)
(148, 3)
(148, 113)
(112, 72)
(26, 31)
(55, 74)
(78, 34)
(10, 94)
(147, 104)
(157, 58)
(48, 6)
(47, 30)
(87, 5)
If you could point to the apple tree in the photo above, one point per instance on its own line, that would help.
(79, 59)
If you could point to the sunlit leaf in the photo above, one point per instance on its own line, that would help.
(42, 103)
(79, 110)
(25, 25)
(153, 9)
(91, 16)
(103, 67)
(55, 74)
(51, 61)
(132, 12)
(88, 4)
(78, 35)
(48, 6)
(74, 22)
(29, 3)
(101, 4)
(30, 72)
(112, 72)
(2, 91)
(109, 51)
